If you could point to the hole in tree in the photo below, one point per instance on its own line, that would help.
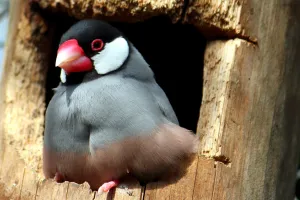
(175, 54)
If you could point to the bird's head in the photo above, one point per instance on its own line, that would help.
(91, 45)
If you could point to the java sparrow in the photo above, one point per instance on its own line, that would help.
(108, 117)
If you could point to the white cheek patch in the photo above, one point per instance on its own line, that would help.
(112, 56)
(63, 76)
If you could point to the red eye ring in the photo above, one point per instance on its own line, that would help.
(97, 45)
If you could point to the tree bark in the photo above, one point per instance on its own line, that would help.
(248, 121)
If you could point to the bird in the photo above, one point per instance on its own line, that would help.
(108, 116)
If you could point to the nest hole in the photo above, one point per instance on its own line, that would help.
(174, 52)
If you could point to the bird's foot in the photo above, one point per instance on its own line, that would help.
(59, 177)
(107, 186)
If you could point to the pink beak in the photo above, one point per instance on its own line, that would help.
(71, 57)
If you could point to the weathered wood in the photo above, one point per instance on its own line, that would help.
(25, 86)
(116, 10)
(182, 189)
(226, 102)
(216, 18)
(22, 97)
(258, 130)
(8, 53)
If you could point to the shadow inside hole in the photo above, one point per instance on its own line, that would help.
(175, 54)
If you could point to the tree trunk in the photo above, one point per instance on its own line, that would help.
(248, 122)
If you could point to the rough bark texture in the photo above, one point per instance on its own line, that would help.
(248, 124)
(128, 11)
(24, 77)
(23, 100)
(215, 17)
(248, 117)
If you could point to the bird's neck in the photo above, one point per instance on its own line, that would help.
(136, 66)
(79, 77)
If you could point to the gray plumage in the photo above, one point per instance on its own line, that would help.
(107, 125)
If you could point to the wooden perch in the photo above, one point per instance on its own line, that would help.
(249, 119)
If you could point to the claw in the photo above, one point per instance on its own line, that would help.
(59, 177)
(107, 186)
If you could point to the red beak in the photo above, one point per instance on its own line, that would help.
(71, 57)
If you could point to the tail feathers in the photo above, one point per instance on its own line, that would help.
(165, 150)
(150, 157)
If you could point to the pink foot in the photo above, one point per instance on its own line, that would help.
(107, 186)
(59, 177)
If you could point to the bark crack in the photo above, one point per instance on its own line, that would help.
(184, 9)
(94, 197)
(21, 187)
(143, 191)
(214, 183)
(222, 159)
(36, 191)
(196, 174)
(67, 190)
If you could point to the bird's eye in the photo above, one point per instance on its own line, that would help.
(97, 45)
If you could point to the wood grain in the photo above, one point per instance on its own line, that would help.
(24, 86)
(254, 132)
(14, 18)
(182, 189)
